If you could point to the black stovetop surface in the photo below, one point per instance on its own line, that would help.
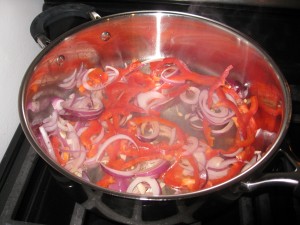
(30, 195)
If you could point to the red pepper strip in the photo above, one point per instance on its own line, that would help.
(56, 144)
(94, 128)
(232, 172)
(106, 180)
(241, 125)
(249, 113)
(210, 152)
(110, 132)
(196, 174)
(97, 76)
(177, 91)
(251, 131)
(250, 138)
(174, 177)
(270, 110)
(267, 122)
(133, 66)
(115, 113)
(113, 92)
(186, 73)
(268, 97)
(117, 164)
(220, 82)
(141, 79)
(112, 150)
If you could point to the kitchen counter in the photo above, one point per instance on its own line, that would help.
(17, 50)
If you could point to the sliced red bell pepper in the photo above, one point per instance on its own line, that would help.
(94, 128)
(269, 99)
(175, 177)
(106, 180)
(62, 157)
(220, 82)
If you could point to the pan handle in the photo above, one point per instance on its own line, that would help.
(285, 179)
(38, 28)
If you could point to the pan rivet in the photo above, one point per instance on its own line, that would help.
(105, 36)
(60, 59)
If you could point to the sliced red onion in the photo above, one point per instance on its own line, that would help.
(40, 104)
(216, 174)
(169, 72)
(69, 82)
(200, 157)
(157, 167)
(34, 106)
(241, 89)
(225, 129)
(219, 117)
(251, 163)
(264, 138)
(188, 170)
(73, 141)
(99, 137)
(50, 123)
(85, 176)
(111, 71)
(148, 131)
(233, 154)
(120, 185)
(47, 142)
(172, 139)
(191, 146)
(76, 163)
(120, 173)
(57, 103)
(109, 141)
(111, 77)
(219, 163)
(153, 185)
(144, 99)
(160, 104)
(81, 108)
(63, 124)
(190, 96)
(196, 122)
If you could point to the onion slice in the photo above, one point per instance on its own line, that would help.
(219, 116)
(148, 131)
(120, 173)
(108, 142)
(190, 96)
(47, 142)
(159, 167)
(154, 186)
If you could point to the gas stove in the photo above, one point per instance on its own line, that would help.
(30, 193)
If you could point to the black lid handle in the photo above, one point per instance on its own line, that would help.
(56, 13)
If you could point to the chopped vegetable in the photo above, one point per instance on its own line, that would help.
(153, 127)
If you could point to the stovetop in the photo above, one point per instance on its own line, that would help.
(30, 195)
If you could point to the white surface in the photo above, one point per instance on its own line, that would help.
(17, 50)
